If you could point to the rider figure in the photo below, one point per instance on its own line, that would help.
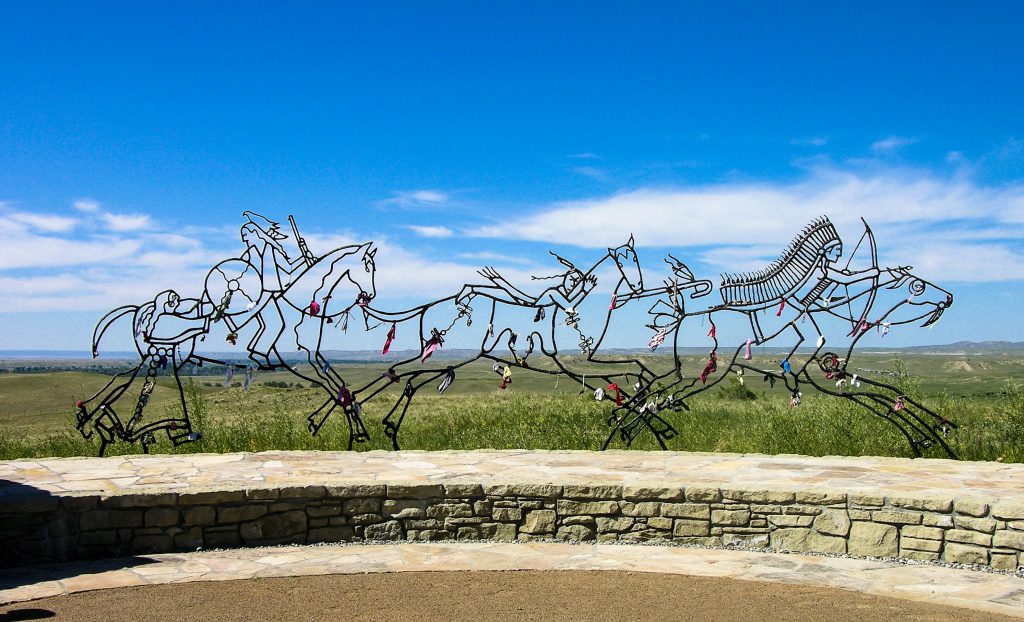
(265, 253)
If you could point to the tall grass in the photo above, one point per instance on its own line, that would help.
(268, 419)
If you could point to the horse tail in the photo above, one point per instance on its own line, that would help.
(106, 321)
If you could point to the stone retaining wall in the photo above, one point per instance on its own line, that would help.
(36, 528)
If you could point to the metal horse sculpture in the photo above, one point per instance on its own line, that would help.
(799, 299)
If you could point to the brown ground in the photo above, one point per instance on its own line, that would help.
(483, 596)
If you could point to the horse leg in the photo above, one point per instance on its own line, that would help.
(391, 427)
(84, 416)
(316, 423)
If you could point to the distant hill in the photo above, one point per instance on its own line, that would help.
(969, 347)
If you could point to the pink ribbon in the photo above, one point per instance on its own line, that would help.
(611, 307)
(711, 333)
(314, 308)
(657, 340)
(432, 345)
(746, 350)
(782, 305)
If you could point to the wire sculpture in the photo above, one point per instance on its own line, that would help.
(793, 301)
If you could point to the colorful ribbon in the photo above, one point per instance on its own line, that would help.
(709, 368)
(618, 393)
(387, 342)
(657, 339)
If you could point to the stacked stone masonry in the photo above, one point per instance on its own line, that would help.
(36, 528)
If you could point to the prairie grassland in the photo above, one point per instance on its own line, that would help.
(537, 412)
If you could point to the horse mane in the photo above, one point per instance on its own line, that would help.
(786, 274)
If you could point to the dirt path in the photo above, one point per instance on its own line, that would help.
(560, 596)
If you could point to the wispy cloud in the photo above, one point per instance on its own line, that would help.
(44, 222)
(918, 217)
(586, 155)
(417, 198)
(126, 222)
(891, 143)
(427, 231)
(86, 205)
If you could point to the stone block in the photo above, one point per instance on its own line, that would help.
(984, 525)
(755, 495)
(965, 554)
(820, 497)
(644, 535)
(349, 491)
(865, 499)
(530, 504)
(970, 507)
(1003, 560)
(452, 510)
(330, 534)
(285, 506)
(790, 521)
(361, 505)
(549, 491)
(872, 540)
(240, 513)
(428, 535)
(508, 515)
(644, 493)
(389, 530)
(89, 521)
(833, 522)
(703, 494)
(366, 519)
(700, 541)
(94, 538)
(262, 494)
(467, 533)
(730, 517)
(695, 511)
(919, 531)
(896, 517)
(156, 543)
(191, 539)
(689, 528)
(757, 508)
(482, 508)
(1008, 510)
(618, 524)
(567, 507)
(927, 503)
(429, 523)
(750, 540)
(937, 520)
(576, 491)
(579, 520)
(859, 514)
(211, 497)
(415, 491)
(646, 508)
(200, 515)
(658, 522)
(504, 532)
(303, 492)
(539, 521)
(453, 522)
(405, 508)
(161, 517)
(806, 541)
(917, 544)
(320, 511)
(575, 533)
(965, 536)
(526, 537)
(126, 518)
(463, 491)
(922, 556)
(1009, 539)
(221, 537)
(286, 527)
(137, 500)
(804, 510)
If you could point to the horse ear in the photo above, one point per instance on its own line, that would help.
(631, 242)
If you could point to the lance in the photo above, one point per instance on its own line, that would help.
(306, 254)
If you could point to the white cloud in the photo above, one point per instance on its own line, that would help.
(126, 222)
(86, 205)
(44, 222)
(585, 156)
(431, 232)
(913, 213)
(417, 198)
(891, 143)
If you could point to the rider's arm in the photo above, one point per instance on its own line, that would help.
(850, 276)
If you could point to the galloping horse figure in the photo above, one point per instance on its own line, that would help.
(817, 304)
(524, 323)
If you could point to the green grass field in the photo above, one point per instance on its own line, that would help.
(538, 411)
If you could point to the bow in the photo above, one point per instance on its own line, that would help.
(873, 291)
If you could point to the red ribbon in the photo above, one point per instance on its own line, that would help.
(618, 393)
(709, 368)
(782, 305)
(314, 308)
(711, 333)
(391, 337)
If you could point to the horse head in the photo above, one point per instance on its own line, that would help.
(628, 263)
(918, 298)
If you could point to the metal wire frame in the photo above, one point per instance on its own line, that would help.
(265, 287)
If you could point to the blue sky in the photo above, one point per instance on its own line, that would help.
(457, 135)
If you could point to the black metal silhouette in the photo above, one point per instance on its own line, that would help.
(266, 288)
